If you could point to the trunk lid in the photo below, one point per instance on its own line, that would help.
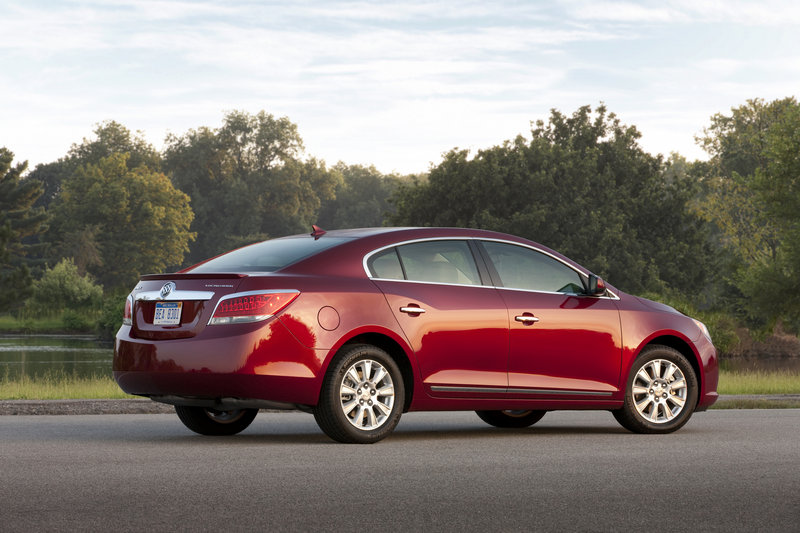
(177, 306)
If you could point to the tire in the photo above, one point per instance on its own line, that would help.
(511, 418)
(212, 422)
(362, 396)
(661, 392)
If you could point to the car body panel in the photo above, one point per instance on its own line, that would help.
(574, 348)
(460, 340)
(645, 322)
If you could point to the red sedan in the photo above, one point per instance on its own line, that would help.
(359, 326)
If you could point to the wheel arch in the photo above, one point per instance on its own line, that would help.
(685, 348)
(394, 349)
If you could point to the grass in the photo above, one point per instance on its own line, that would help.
(756, 403)
(64, 322)
(63, 386)
(60, 386)
(12, 324)
(759, 382)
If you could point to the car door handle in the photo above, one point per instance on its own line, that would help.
(412, 310)
(526, 319)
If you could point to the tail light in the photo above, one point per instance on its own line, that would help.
(127, 314)
(251, 306)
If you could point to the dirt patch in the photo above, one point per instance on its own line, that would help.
(777, 345)
(83, 407)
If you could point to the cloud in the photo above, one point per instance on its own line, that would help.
(744, 12)
(391, 83)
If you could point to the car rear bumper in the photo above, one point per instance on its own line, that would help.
(261, 361)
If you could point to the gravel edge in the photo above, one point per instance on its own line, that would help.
(83, 407)
(145, 406)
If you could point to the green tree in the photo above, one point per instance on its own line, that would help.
(19, 220)
(581, 185)
(361, 198)
(246, 181)
(134, 219)
(753, 196)
(63, 287)
(111, 137)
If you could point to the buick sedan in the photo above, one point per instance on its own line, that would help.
(360, 326)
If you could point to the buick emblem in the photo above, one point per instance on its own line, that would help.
(167, 289)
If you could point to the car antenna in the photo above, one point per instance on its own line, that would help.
(317, 232)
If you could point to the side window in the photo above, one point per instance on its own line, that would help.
(439, 262)
(523, 268)
(385, 265)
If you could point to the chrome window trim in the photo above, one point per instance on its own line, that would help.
(437, 283)
(254, 318)
(610, 296)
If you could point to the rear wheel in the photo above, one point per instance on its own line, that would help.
(511, 418)
(362, 396)
(213, 422)
(661, 392)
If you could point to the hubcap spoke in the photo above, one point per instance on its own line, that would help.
(353, 375)
(678, 384)
(657, 368)
(642, 406)
(366, 369)
(677, 400)
(643, 376)
(380, 373)
(371, 420)
(348, 407)
(383, 408)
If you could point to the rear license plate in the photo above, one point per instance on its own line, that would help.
(167, 313)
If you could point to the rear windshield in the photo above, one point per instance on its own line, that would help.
(269, 256)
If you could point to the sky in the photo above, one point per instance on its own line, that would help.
(389, 84)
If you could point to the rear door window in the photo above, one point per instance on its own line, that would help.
(439, 261)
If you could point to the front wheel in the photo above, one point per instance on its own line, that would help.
(661, 392)
(362, 396)
(511, 418)
(212, 422)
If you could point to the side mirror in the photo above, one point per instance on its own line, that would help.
(597, 286)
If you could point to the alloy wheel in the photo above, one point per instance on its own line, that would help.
(367, 394)
(659, 391)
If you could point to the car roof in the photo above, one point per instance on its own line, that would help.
(345, 258)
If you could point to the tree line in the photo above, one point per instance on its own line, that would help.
(722, 234)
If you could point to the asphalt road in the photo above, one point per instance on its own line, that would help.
(725, 471)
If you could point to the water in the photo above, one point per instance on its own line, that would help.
(38, 355)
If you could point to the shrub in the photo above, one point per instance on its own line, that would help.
(73, 321)
(111, 316)
(62, 287)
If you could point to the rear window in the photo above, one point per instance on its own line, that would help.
(269, 256)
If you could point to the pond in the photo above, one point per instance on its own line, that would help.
(38, 355)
